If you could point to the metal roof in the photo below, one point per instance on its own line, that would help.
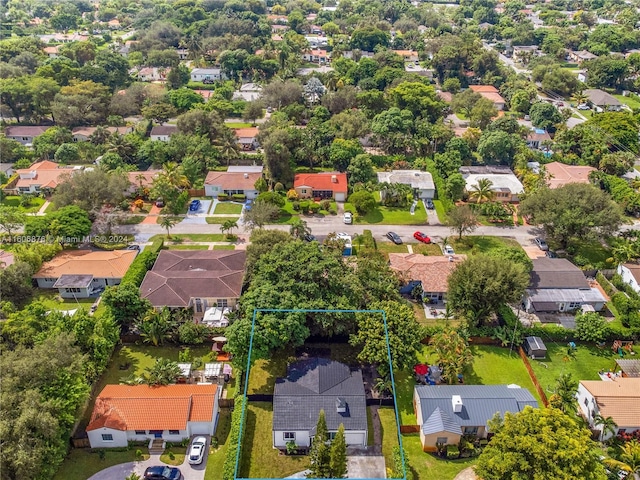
(631, 368)
(535, 343)
(553, 295)
(440, 421)
(77, 281)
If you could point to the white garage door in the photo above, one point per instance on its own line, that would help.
(340, 197)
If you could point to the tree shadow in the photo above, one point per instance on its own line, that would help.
(375, 216)
(249, 431)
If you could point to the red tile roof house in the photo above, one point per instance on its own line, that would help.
(124, 413)
(322, 185)
(491, 93)
(230, 183)
(41, 176)
(247, 138)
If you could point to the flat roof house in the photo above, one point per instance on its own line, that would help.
(195, 279)
(42, 176)
(506, 185)
(25, 134)
(82, 273)
(561, 174)
(557, 285)
(163, 133)
(602, 100)
(618, 398)
(447, 412)
(125, 413)
(322, 185)
(430, 272)
(230, 183)
(421, 182)
(313, 385)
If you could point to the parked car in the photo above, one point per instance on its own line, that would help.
(133, 246)
(551, 254)
(348, 218)
(448, 250)
(583, 106)
(162, 472)
(421, 237)
(542, 245)
(527, 118)
(196, 452)
(248, 204)
(160, 202)
(394, 237)
(309, 238)
(560, 104)
(194, 206)
(429, 203)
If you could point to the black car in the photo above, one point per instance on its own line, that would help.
(394, 237)
(309, 238)
(430, 205)
(162, 472)
(551, 254)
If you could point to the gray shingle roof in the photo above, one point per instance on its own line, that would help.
(556, 273)
(440, 421)
(319, 384)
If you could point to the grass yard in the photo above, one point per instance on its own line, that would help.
(216, 458)
(81, 464)
(391, 215)
(427, 466)
(14, 201)
(389, 432)
(631, 102)
(220, 220)
(588, 362)
(187, 247)
(592, 252)
(370, 439)
(427, 249)
(440, 210)
(390, 247)
(132, 219)
(50, 299)
(224, 247)
(258, 457)
(223, 208)
(178, 454)
(470, 245)
(237, 125)
(193, 237)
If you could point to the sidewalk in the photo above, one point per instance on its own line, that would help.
(152, 217)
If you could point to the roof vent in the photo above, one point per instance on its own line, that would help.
(341, 405)
(456, 403)
(334, 179)
(246, 175)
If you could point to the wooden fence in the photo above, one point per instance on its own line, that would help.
(80, 442)
(196, 192)
(226, 402)
(533, 377)
(409, 428)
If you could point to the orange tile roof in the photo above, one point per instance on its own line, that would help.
(483, 88)
(233, 180)
(250, 132)
(618, 399)
(113, 264)
(495, 97)
(48, 174)
(322, 181)
(561, 174)
(431, 271)
(142, 407)
(146, 181)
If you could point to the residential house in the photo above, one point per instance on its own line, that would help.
(52, 52)
(316, 56)
(557, 285)
(83, 134)
(421, 182)
(141, 179)
(505, 184)
(163, 133)
(536, 137)
(42, 176)
(313, 385)
(231, 183)
(430, 272)
(316, 41)
(408, 55)
(447, 412)
(581, 56)
(602, 100)
(82, 273)
(207, 75)
(248, 92)
(281, 29)
(6, 168)
(6, 259)
(524, 53)
(195, 279)
(25, 134)
(63, 37)
(560, 174)
(419, 70)
(491, 93)
(137, 413)
(628, 368)
(618, 398)
(322, 185)
(153, 74)
(183, 54)
(630, 273)
(247, 138)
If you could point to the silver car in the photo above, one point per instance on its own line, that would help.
(196, 452)
(542, 245)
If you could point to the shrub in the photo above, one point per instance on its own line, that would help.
(223, 197)
(278, 187)
(296, 206)
(143, 262)
(591, 327)
(214, 442)
(325, 205)
(304, 206)
(292, 194)
(228, 469)
(333, 210)
(190, 333)
(453, 451)
(314, 207)
(606, 285)
(271, 197)
(239, 197)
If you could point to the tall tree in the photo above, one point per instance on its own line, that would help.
(338, 460)
(163, 372)
(482, 191)
(91, 189)
(453, 353)
(564, 396)
(320, 454)
(461, 220)
(11, 219)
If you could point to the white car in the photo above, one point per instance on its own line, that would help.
(196, 452)
(348, 218)
(583, 106)
(448, 250)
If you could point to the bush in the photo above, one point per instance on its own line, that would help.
(304, 206)
(325, 205)
(591, 327)
(239, 197)
(223, 197)
(143, 262)
(453, 451)
(292, 194)
(190, 333)
(278, 187)
(228, 469)
(606, 285)
(296, 206)
(314, 207)
(333, 210)
(273, 198)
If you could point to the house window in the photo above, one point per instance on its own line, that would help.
(25, 139)
(574, 305)
(303, 190)
(586, 402)
(470, 430)
(332, 435)
(288, 436)
(622, 430)
(222, 302)
(107, 437)
(72, 290)
(174, 432)
(442, 440)
(198, 305)
(141, 432)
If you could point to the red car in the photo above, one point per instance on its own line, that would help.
(421, 237)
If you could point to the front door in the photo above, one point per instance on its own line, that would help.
(156, 433)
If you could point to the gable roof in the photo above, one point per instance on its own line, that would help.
(144, 178)
(630, 368)
(100, 264)
(634, 270)
(556, 273)
(440, 421)
(25, 130)
(233, 180)
(142, 407)
(618, 399)
(561, 174)
(322, 181)
(432, 271)
(164, 130)
(479, 404)
(251, 132)
(601, 98)
(483, 88)
(319, 384)
(180, 275)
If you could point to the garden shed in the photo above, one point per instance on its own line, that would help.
(535, 348)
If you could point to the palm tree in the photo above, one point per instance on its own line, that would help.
(623, 253)
(607, 425)
(564, 397)
(175, 176)
(298, 228)
(579, 98)
(482, 191)
(163, 372)
(156, 326)
(168, 223)
(383, 384)
(630, 455)
(99, 135)
(228, 226)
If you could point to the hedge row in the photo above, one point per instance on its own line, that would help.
(237, 197)
(229, 467)
(606, 285)
(447, 204)
(143, 263)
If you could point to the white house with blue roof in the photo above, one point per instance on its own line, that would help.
(313, 385)
(447, 412)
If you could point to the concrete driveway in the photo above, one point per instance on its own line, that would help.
(120, 471)
(366, 466)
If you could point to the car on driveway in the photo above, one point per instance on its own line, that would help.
(348, 218)
(429, 204)
(542, 245)
(448, 250)
(309, 238)
(394, 237)
(194, 206)
(551, 254)
(421, 237)
(196, 452)
(162, 472)
(583, 106)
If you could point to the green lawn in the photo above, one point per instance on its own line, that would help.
(427, 249)
(589, 360)
(216, 458)
(178, 455)
(258, 457)
(389, 432)
(370, 439)
(51, 301)
(593, 252)
(237, 125)
(389, 247)
(14, 201)
(391, 215)
(491, 366)
(81, 464)
(187, 247)
(440, 211)
(220, 220)
(427, 466)
(194, 237)
(228, 208)
(480, 244)
(263, 373)
(132, 219)
(631, 102)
